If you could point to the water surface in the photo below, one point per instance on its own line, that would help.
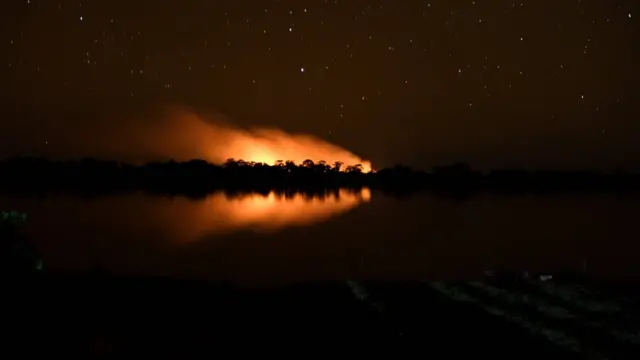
(259, 238)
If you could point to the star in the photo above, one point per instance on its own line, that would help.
(410, 57)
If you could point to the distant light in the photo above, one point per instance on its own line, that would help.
(301, 69)
(81, 18)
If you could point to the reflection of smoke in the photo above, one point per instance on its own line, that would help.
(221, 213)
(184, 135)
(180, 219)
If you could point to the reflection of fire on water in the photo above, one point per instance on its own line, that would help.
(257, 212)
(114, 219)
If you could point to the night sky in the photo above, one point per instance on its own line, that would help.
(536, 83)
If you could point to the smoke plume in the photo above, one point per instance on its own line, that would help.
(182, 134)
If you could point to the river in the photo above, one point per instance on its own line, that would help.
(266, 238)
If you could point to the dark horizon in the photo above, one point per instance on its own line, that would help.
(159, 160)
(198, 178)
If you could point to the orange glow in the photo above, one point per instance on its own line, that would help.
(190, 135)
(183, 220)
(270, 145)
(265, 213)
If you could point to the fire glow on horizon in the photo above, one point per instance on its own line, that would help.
(217, 142)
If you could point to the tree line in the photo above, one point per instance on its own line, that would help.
(200, 177)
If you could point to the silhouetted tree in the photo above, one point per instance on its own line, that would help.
(198, 177)
(337, 166)
(230, 163)
(290, 165)
(259, 165)
(308, 164)
(354, 169)
(322, 167)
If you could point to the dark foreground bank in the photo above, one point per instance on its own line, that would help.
(505, 318)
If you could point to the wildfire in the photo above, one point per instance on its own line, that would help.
(178, 133)
(269, 145)
(217, 142)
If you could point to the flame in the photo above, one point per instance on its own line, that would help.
(178, 133)
(270, 145)
(192, 134)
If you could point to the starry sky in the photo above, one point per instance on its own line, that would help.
(535, 83)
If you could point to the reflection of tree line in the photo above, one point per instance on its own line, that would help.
(198, 177)
(307, 166)
(292, 193)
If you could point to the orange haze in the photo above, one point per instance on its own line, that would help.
(185, 134)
